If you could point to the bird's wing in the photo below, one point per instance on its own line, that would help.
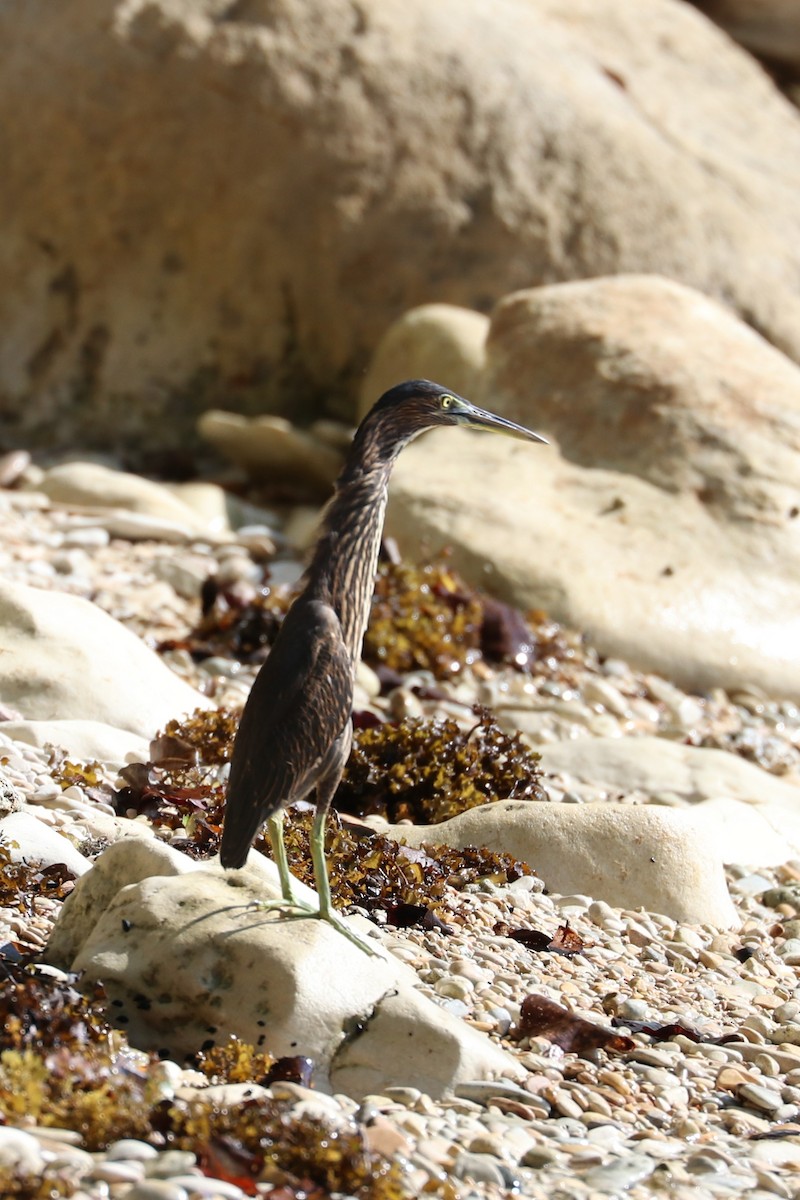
(299, 704)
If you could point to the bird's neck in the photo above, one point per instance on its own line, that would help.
(342, 570)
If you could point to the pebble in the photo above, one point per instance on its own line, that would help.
(156, 1189)
(481, 1168)
(170, 1163)
(20, 1152)
(202, 1185)
(131, 1150)
(113, 1172)
(760, 1097)
(622, 1174)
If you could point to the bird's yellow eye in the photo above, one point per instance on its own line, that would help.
(447, 401)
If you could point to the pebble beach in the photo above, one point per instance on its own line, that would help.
(710, 1109)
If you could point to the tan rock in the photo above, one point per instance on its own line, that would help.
(730, 1079)
(663, 522)
(265, 214)
(631, 857)
(434, 341)
(127, 861)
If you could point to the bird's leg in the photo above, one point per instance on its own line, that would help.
(275, 827)
(326, 910)
(289, 899)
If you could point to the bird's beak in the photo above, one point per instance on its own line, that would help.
(479, 418)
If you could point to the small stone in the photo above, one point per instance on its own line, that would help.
(600, 691)
(156, 1189)
(383, 1137)
(729, 1079)
(89, 537)
(453, 986)
(632, 1009)
(131, 1150)
(170, 1163)
(618, 1176)
(790, 951)
(20, 1152)
(111, 1172)
(539, 1156)
(202, 1185)
(760, 1097)
(484, 1091)
(480, 1168)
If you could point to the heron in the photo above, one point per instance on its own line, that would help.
(295, 731)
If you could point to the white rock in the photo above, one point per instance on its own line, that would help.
(37, 843)
(84, 741)
(213, 508)
(65, 659)
(655, 858)
(204, 956)
(750, 816)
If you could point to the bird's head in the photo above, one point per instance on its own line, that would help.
(417, 405)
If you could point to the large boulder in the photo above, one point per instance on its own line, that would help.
(185, 951)
(64, 659)
(664, 519)
(274, 183)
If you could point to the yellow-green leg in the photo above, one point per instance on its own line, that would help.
(289, 900)
(275, 827)
(326, 909)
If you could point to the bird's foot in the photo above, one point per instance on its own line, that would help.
(289, 905)
(341, 926)
(294, 910)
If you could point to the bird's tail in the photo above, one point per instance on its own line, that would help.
(237, 840)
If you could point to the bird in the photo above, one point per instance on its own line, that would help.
(295, 731)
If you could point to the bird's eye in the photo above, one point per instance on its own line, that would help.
(446, 401)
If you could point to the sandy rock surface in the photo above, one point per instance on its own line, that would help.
(247, 256)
